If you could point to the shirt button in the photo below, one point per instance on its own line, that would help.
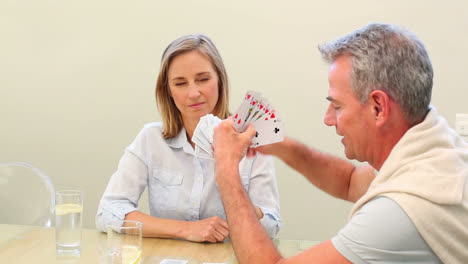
(198, 179)
(194, 204)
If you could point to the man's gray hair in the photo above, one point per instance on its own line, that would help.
(385, 57)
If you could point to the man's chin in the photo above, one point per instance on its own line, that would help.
(352, 156)
(349, 155)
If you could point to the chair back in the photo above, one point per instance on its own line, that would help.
(27, 196)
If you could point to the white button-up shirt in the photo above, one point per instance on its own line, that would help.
(180, 185)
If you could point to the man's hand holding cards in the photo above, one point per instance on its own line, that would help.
(254, 110)
(257, 111)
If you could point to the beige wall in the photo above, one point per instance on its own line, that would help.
(77, 79)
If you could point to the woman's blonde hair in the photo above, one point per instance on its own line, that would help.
(172, 119)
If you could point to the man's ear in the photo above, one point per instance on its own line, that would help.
(379, 101)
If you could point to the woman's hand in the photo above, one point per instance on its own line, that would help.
(258, 212)
(213, 229)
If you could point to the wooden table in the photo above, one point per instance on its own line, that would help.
(27, 244)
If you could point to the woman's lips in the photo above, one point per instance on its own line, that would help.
(197, 105)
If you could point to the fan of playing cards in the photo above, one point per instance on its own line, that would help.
(253, 110)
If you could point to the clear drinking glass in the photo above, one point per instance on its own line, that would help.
(68, 221)
(124, 242)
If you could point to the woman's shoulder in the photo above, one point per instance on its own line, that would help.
(153, 125)
(151, 130)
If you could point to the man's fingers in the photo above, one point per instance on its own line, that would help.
(227, 122)
(250, 132)
(251, 152)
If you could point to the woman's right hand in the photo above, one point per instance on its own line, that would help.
(213, 229)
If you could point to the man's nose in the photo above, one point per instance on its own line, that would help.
(330, 116)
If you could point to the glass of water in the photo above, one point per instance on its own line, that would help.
(124, 242)
(68, 221)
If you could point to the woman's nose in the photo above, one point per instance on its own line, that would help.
(194, 90)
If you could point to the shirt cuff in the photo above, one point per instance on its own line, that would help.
(112, 212)
(271, 223)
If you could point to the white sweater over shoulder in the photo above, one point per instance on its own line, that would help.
(426, 174)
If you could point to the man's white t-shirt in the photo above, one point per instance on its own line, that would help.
(381, 232)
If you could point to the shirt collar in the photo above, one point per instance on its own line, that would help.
(179, 140)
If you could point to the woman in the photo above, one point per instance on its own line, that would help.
(183, 197)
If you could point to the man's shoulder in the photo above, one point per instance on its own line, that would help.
(382, 216)
(381, 230)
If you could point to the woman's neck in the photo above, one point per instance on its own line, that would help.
(190, 126)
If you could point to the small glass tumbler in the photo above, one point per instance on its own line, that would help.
(68, 221)
(124, 238)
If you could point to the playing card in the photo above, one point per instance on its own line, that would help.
(213, 123)
(203, 136)
(238, 117)
(205, 125)
(242, 113)
(201, 153)
(255, 110)
(200, 135)
(250, 111)
(269, 129)
(258, 111)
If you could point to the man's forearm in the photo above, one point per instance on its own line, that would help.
(327, 172)
(247, 235)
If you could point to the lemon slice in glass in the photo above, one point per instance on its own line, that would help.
(131, 254)
(63, 209)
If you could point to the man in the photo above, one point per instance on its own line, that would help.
(411, 203)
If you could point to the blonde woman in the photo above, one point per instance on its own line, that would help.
(183, 196)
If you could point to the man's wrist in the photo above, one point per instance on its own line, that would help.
(227, 173)
(226, 167)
